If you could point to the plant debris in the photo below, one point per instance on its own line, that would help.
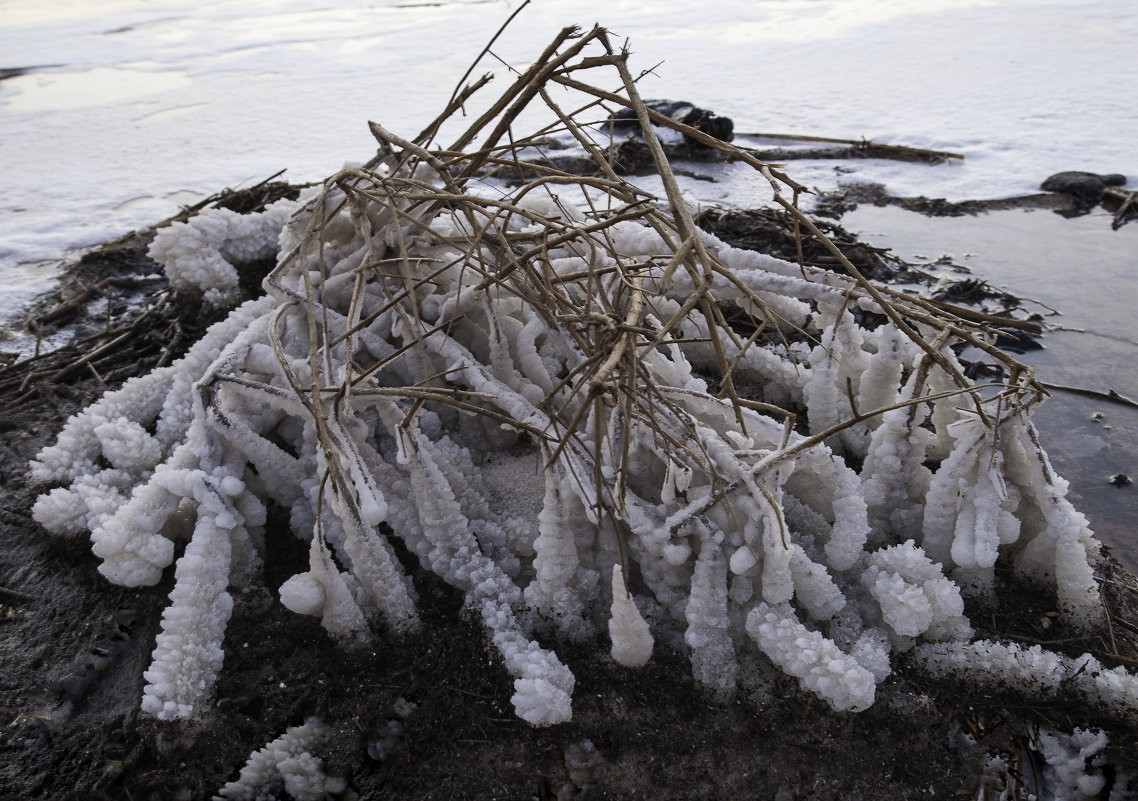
(118, 310)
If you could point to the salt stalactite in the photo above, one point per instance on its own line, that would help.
(631, 638)
(551, 593)
(895, 480)
(811, 658)
(1057, 538)
(950, 518)
(188, 653)
(838, 362)
(419, 331)
(708, 634)
(915, 597)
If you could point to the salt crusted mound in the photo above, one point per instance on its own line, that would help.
(570, 403)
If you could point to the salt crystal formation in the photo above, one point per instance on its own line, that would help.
(539, 382)
(286, 764)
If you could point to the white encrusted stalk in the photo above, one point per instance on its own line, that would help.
(286, 764)
(188, 653)
(811, 658)
(1035, 673)
(708, 633)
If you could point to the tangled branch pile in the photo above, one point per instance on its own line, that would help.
(545, 385)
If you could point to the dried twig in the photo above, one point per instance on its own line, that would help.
(601, 307)
(1109, 395)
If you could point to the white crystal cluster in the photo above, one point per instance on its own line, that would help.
(1074, 763)
(201, 253)
(1047, 763)
(286, 764)
(568, 403)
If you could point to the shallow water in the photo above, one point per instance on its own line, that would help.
(1086, 271)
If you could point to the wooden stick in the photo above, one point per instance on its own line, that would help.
(1108, 395)
(866, 144)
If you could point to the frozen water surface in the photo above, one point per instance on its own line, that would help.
(131, 107)
(126, 109)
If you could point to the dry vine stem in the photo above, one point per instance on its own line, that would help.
(538, 380)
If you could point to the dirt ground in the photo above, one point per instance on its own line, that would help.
(73, 649)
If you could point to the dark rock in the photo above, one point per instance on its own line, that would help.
(1085, 187)
(983, 371)
(722, 128)
(1015, 341)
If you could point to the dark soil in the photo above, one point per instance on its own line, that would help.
(73, 648)
(773, 231)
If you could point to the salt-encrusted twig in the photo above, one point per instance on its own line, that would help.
(430, 320)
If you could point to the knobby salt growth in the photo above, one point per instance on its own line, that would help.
(588, 415)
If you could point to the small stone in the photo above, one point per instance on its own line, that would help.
(1086, 188)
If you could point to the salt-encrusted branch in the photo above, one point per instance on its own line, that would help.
(287, 764)
(1035, 673)
(427, 323)
(811, 658)
(188, 653)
